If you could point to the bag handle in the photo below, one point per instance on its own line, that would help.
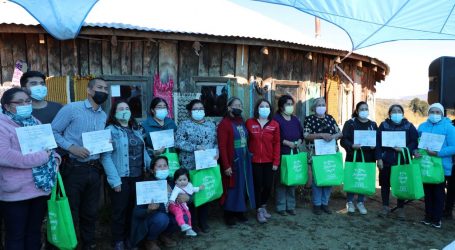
(355, 155)
(404, 151)
(59, 184)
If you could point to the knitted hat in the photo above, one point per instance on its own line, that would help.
(438, 106)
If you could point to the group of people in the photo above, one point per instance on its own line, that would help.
(249, 155)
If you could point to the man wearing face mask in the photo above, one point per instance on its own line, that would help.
(82, 172)
(434, 193)
(34, 83)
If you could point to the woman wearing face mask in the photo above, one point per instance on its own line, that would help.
(359, 121)
(26, 180)
(389, 156)
(124, 166)
(264, 144)
(434, 193)
(195, 133)
(157, 121)
(235, 164)
(291, 137)
(153, 222)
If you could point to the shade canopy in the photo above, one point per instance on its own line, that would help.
(370, 22)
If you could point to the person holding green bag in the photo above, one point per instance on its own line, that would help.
(320, 126)
(124, 166)
(195, 133)
(359, 121)
(434, 193)
(389, 156)
(264, 144)
(291, 137)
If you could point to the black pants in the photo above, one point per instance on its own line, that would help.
(262, 179)
(199, 214)
(23, 221)
(122, 206)
(434, 201)
(450, 195)
(384, 182)
(82, 184)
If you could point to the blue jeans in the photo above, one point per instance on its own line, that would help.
(159, 223)
(360, 197)
(285, 197)
(321, 195)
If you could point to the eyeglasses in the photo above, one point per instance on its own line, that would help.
(21, 103)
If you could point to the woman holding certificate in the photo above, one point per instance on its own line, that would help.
(26, 180)
(124, 166)
(195, 133)
(157, 121)
(320, 126)
(389, 155)
(434, 193)
(359, 122)
(238, 189)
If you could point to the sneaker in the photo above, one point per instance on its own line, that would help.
(437, 224)
(191, 232)
(426, 220)
(326, 209)
(317, 210)
(260, 216)
(282, 213)
(266, 214)
(185, 227)
(385, 212)
(361, 208)
(291, 212)
(350, 206)
(400, 214)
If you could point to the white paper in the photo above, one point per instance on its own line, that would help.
(365, 138)
(394, 139)
(35, 138)
(163, 138)
(148, 192)
(115, 90)
(431, 141)
(97, 141)
(323, 147)
(205, 158)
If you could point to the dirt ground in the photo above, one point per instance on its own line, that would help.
(308, 231)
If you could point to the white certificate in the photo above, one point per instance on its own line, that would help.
(151, 192)
(323, 147)
(394, 139)
(431, 141)
(163, 138)
(205, 158)
(366, 138)
(35, 138)
(97, 141)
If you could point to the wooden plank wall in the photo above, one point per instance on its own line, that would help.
(143, 57)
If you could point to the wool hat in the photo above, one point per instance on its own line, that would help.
(438, 106)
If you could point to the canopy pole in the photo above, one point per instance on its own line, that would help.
(347, 55)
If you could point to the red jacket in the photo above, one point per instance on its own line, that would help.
(264, 143)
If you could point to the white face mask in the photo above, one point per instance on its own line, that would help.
(321, 110)
(364, 114)
(289, 109)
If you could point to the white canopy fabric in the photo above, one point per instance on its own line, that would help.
(370, 22)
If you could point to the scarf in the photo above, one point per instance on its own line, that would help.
(44, 176)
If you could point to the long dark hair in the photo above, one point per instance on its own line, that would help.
(282, 100)
(256, 108)
(111, 120)
(9, 95)
(357, 107)
(155, 102)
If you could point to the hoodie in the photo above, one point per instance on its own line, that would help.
(443, 127)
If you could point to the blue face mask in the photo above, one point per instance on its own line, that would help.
(264, 112)
(162, 174)
(24, 111)
(396, 118)
(434, 118)
(38, 92)
(161, 113)
(197, 115)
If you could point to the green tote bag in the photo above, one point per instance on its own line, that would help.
(431, 168)
(359, 177)
(406, 179)
(173, 160)
(211, 179)
(294, 169)
(328, 169)
(60, 227)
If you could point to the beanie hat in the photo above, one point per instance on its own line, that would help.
(438, 106)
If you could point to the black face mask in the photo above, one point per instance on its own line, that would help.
(236, 112)
(99, 97)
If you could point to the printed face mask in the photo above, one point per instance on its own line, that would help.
(123, 115)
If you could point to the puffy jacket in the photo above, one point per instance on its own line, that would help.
(264, 143)
(443, 127)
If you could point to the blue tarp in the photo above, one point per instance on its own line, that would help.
(370, 22)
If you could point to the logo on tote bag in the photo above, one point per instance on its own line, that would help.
(209, 184)
(297, 166)
(426, 164)
(329, 169)
(359, 177)
(403, 179)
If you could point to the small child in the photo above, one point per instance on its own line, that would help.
(182, 186)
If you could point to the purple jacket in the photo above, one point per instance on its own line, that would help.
(16, 180)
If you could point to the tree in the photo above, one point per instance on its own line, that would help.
(419, 106)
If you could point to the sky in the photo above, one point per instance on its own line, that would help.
(408, 60)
